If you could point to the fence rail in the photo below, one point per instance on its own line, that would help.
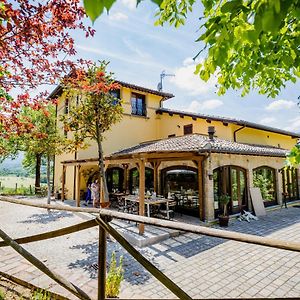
(102, 219)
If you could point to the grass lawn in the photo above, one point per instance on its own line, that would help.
(10, 181)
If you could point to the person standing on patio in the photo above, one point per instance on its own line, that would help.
(88, 196)
(95, 193)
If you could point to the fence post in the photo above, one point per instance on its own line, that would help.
(102, 260)
(16, 187)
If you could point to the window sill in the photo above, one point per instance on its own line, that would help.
(136, 116)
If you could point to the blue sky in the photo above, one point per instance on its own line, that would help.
(139, 51)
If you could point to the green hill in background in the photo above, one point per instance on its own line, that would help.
(13, 167)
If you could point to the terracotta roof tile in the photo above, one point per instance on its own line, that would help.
(200, 143)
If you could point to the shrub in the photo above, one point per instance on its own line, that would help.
(2, 296)
(224, 200)
(114, 277)
(41, 295)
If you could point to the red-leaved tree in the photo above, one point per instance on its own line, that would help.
(35, 49)
(95, 112)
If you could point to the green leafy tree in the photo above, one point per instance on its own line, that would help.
(96, 111)
(293, 158)
(251, 44)
(41, 139)
(265, 185)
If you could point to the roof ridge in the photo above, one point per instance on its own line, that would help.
(231, 120)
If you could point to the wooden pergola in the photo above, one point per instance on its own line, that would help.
(140, 160)
(155, 159)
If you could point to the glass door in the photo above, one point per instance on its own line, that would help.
(290, 184)
(230, 180)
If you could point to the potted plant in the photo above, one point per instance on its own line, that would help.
(224, 218)
(114, 277)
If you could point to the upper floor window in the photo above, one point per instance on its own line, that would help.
(66, 106)
(188, 129)
(117, 95)
(138, 104)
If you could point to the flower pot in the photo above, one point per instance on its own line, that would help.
(104, 204)
(223, 221)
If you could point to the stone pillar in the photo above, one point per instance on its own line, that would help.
(209, 209)
(200, 190)
(250, 184)
(279, 188)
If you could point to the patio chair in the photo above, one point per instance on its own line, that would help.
(122, 206)
(155, 210)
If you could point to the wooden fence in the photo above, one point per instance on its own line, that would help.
(102, 219)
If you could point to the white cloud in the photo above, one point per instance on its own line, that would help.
(294, 125)
(197, 106)
(280, 105)
(118, 16)
(267, 120)
(109, 54)
(131, 4)
(133, 47)
(185, 79)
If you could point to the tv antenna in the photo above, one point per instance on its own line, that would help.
(162, 76)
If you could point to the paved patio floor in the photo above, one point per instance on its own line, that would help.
(204, 267)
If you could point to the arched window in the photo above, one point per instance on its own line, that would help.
(115, 179)
(230, 180)
(134, 179)
(264, 179)
(182, 184)
(290, 183)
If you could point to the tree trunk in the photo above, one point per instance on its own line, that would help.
(102, 177)
(38, 163)
(48, 179)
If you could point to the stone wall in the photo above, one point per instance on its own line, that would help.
(249, 163)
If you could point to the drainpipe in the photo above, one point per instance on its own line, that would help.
(161, 102)
(234, 133)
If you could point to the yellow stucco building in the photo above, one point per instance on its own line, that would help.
(194, 158)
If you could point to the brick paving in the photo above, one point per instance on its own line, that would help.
(204, 267)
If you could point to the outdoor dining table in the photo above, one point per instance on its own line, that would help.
(150, 201)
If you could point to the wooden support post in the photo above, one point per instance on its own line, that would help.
(63, 179)
(166, 281)
(141, 194)
(78, 186)
(102, 262)
(155, 175)
(200, 190)
(125, 182)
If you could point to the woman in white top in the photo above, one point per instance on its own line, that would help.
(95, 193)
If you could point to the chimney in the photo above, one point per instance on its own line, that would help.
(211, 132)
